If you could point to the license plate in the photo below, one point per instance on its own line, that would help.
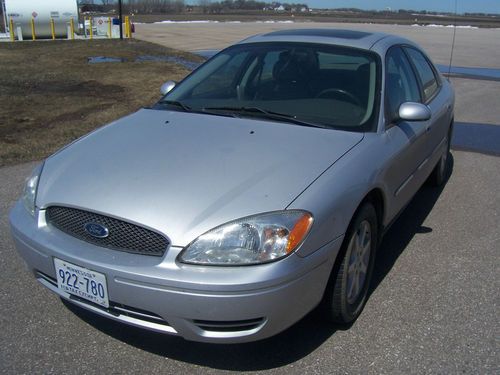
(82, 282)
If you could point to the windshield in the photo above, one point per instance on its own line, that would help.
(325, 85)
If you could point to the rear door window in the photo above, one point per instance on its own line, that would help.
(430, 83)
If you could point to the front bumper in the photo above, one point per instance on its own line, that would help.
(207, 304)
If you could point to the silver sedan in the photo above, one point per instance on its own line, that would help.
(255, 190)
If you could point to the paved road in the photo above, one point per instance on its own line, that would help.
(474, 47)
(433, 308)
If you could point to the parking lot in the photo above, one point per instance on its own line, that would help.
(473, 47)
(433, 306)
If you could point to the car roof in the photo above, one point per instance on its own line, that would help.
(340, 37)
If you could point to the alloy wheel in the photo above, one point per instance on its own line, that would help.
(359, 250)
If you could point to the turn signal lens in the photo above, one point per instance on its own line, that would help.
(30, 187)
(299, 232)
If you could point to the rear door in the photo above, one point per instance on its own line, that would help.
(432, 95)
(406, 140)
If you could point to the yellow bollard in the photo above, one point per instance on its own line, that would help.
(90, 28)
(53, 28)
(11, 29)
(127, 27)
(33, 35)
(110, 23)
(72, 28)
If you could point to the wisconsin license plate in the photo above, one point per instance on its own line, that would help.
(82, 282)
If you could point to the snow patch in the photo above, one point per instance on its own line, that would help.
(272, 21)
(200, 21)
(446, 26)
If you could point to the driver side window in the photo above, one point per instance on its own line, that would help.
(400, 82)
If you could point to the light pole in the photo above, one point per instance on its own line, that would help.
(4, 17)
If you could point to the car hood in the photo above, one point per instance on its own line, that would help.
(184, 173)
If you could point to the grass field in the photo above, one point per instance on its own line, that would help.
(50, 95)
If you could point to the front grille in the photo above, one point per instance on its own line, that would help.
(122, 236)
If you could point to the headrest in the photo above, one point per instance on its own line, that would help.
(295, 65)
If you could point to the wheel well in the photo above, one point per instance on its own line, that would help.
(376, 197)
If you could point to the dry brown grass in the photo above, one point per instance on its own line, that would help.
(50, 95)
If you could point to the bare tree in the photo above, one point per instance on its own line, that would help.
(155, 6)
(204, 5)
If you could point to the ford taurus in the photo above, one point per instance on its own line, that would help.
(256, 189)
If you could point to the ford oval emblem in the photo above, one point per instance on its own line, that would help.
(96, 230)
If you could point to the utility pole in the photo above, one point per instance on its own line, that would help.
(121, 18)
(5, 22)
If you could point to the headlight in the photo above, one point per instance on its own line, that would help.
(251, 240)
(30, 187)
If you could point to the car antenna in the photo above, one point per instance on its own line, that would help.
(454, 35)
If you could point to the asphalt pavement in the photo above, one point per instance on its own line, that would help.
(433, 307)
(473, 47)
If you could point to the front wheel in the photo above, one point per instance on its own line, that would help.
(347, 290)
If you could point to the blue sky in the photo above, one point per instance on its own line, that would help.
(485, 6)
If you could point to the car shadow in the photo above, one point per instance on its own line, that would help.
(405, 227)
(282, 349)
(289, 346)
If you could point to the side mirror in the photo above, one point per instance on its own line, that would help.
(167, 87)
(411, 111)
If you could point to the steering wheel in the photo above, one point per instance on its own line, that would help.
(341, 94)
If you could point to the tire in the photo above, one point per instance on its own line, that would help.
(343, 303)
(440, 172)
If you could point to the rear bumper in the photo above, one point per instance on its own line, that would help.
(208, 304)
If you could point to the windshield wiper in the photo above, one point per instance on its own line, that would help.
(187, 108)
(267, 114)
(177, 104)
